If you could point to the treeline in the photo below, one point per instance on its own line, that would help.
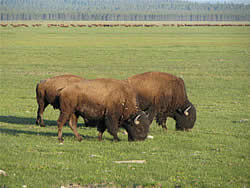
(123, 25)
(121, 10)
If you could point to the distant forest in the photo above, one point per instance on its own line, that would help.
(121, 10)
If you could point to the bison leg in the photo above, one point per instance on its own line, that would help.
(161, 120)
(63, 118)
(112, 127)
(73, 126)
(101, 128)
(41, 107)
(164, 124)
(100, 136)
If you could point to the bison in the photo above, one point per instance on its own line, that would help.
(170, 97)
(108, 102)
(46, 92)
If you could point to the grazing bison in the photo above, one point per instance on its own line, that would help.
(170, 97)
(111, 103)
(46, 92)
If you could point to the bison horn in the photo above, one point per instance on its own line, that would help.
(136, 120)
(186, 111)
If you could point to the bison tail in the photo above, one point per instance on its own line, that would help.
(39, 93)
(56, 104)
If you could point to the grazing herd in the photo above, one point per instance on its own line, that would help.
(110, 104)
(123, 25)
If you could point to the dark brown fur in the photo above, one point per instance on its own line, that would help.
(46, 92)
(111, 103)
(170, 97)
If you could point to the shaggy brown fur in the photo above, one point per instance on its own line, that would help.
(47, 90)
(111, 103)
(170, 97)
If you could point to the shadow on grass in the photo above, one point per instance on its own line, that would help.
(16, 132)
(24, 120)
(31, 121)
(28, 121)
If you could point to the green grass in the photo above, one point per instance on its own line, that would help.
(214, 62)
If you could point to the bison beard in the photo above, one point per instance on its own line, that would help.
(108, 102)
(139, 133)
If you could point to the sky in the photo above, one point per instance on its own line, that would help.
(222, 1)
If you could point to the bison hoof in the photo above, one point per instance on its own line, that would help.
(60, 140)
(116, 140)
(79, 138)
(165, 129)
(42, 125)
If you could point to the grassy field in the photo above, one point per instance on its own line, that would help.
(213, 61)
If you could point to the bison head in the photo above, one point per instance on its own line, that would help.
(185, 116)
(138, 126)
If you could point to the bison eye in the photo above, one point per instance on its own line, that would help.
(179, 110)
